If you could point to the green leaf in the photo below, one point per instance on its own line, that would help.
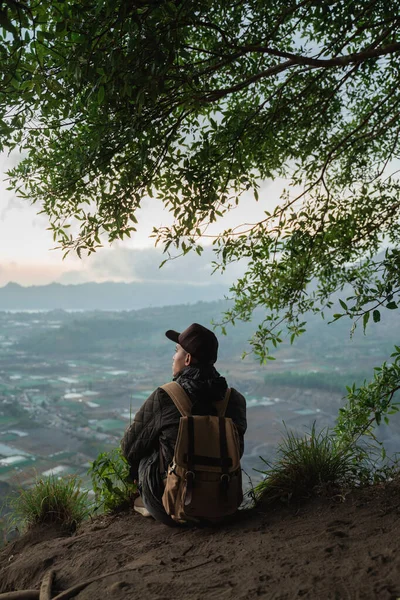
(6, 22)
(365, 320)
(60, 26)
(100, 94)
(337, 316)
(376, 315)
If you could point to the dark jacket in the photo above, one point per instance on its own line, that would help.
(155, 426)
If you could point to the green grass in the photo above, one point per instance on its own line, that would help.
(306, 465)
(51, 500)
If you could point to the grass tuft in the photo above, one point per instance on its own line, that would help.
(51, 500)
(305, 465)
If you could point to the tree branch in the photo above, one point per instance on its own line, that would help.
(339, 61)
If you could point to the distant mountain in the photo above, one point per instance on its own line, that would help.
(106, 296)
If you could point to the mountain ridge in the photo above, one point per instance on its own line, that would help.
(106, 295)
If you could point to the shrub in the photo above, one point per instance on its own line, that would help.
(111, 481)
(51, 500)
(306, 464)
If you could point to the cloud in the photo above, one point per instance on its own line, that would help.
(120, 264)
(28, 274)
(26, 241)
(8, 198)
(127, 264)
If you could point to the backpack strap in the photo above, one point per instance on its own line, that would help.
(222, 405)
(179, 397)
(223, 448)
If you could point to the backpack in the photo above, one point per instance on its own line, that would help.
(204, 480)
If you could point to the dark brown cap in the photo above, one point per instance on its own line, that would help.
(199, 341)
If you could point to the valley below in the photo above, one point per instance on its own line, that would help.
(70, 384)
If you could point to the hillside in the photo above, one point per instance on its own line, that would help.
(340, 547)
(69, 383)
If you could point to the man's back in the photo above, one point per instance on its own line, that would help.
(149, 442)
(158, 419)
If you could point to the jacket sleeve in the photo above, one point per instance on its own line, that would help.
(141, 437)
(237, 411)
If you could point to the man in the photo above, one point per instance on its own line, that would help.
(148, 444)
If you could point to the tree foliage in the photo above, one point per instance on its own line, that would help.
(197, 102)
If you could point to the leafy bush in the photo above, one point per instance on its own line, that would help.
(51, 500)
(371, 403)
(111, 481)
(306, 464)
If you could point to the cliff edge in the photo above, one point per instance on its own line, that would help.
(337, 547)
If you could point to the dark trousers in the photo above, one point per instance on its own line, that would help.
(151, 488)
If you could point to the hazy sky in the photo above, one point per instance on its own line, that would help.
(28, 257)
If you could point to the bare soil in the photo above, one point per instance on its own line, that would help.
(339, 547)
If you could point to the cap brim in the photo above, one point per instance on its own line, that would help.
(172, 335)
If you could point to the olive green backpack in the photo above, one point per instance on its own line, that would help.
(204, 480)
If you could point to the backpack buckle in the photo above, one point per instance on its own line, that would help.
(225, 480)
(190, 475)
(171, 468)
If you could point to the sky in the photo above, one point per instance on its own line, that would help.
(28, 255)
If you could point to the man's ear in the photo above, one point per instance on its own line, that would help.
(188, 359)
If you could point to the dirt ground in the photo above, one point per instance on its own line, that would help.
(341, 547)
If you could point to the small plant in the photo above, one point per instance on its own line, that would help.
(51, 500)
(306, 464)
(111, 481)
